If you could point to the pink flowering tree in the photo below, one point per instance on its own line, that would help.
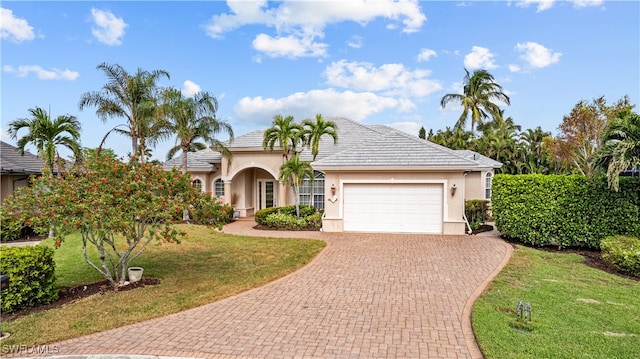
(118, 208)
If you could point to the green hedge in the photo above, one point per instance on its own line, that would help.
(31, 272)
(564, 210)
(262, 214)
(623, 253)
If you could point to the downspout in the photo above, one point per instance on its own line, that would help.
(464, 202)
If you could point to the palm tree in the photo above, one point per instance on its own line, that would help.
(133, 97)
(478, 94)
(284, 133)
(293, 173)
(47, 135)
(314, 130)
(621, 150)
(191, 119)
(534, 150)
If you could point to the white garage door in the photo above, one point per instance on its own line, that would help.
(401, 208)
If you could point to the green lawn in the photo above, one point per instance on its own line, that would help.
(207, 266)
(578, 311)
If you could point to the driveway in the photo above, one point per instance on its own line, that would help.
(365, 295)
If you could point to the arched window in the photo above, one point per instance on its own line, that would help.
(218, 188)
(318, 191)
(487, 186)
(196, 183)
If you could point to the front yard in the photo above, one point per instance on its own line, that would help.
(207, 266)
(577, 311)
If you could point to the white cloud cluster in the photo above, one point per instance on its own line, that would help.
(536, 55)
(299, 24)
(190, 88)
(388, 79)
(426, 54)
(108, 28)
(542, 5)
(42, 74)
(355, 42)
(479, 58)
(13, 28)
(354, 105)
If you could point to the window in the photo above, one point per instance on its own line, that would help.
(487, 186)
(318, 191)
(218, 188)
(196, 183)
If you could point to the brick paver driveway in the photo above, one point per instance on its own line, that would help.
(365, 295)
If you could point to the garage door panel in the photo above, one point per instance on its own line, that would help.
(376, 207)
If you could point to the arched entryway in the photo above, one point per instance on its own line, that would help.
(253, 188)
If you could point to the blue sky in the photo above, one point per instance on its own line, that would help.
(378, 62)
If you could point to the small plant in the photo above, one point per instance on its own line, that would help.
(286, 221)
(623, 253)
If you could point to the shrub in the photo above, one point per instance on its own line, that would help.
(31, 272)
(477, 210)
(564, 210)
(285, 221)
(261, 215)
(10, 227)
(207, 210)
(315, 220)
(623, 253)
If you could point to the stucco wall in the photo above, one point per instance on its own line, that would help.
(9, 183)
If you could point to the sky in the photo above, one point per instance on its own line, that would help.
(376, 62)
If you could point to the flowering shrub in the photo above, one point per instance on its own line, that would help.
(117, 207)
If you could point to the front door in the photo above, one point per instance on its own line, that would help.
(266, 194)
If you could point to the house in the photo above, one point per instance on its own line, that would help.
(375, 179)
(16, 169)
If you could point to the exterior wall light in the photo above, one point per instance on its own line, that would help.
(453, 190)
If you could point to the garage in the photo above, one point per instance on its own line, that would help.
(393, 207)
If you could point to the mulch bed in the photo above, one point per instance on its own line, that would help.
(70, 295)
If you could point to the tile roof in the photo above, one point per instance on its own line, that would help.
(359, 145)
(200, 161)
(11, 161)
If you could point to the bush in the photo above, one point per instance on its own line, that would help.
(10, 227)
(261, 215)
(477, 210)
(31, 272)
(564, 210)
(207, 210)
(285, 221)
(623, 253)
(315, 220)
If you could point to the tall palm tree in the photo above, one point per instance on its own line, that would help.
(293, 173)
(477, 99)
(621, 150)
(314, 130)
(284, 133)
(132, 96)
(534, 150)
(47, 135)
(191, 119)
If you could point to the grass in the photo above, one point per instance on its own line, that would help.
(207, 266)
(577, 311)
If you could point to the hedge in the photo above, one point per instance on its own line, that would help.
(31, 272)
(262, 214)
(564, 210)
(623, 253)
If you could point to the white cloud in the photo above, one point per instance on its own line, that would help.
(479, 58)
(389, 79)
(190, 88)
(328, 102)
(355, 42)
(536, 55)
(52, 74)
(305, 21)
(289, 46)
(514, 68)
(426, 54)
(13, 28)
(542, 5)
(4, 135)
(108, 28)
(587, 3)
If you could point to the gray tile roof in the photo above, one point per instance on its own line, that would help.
(359, 145)
(200, 161)
(11, 162)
